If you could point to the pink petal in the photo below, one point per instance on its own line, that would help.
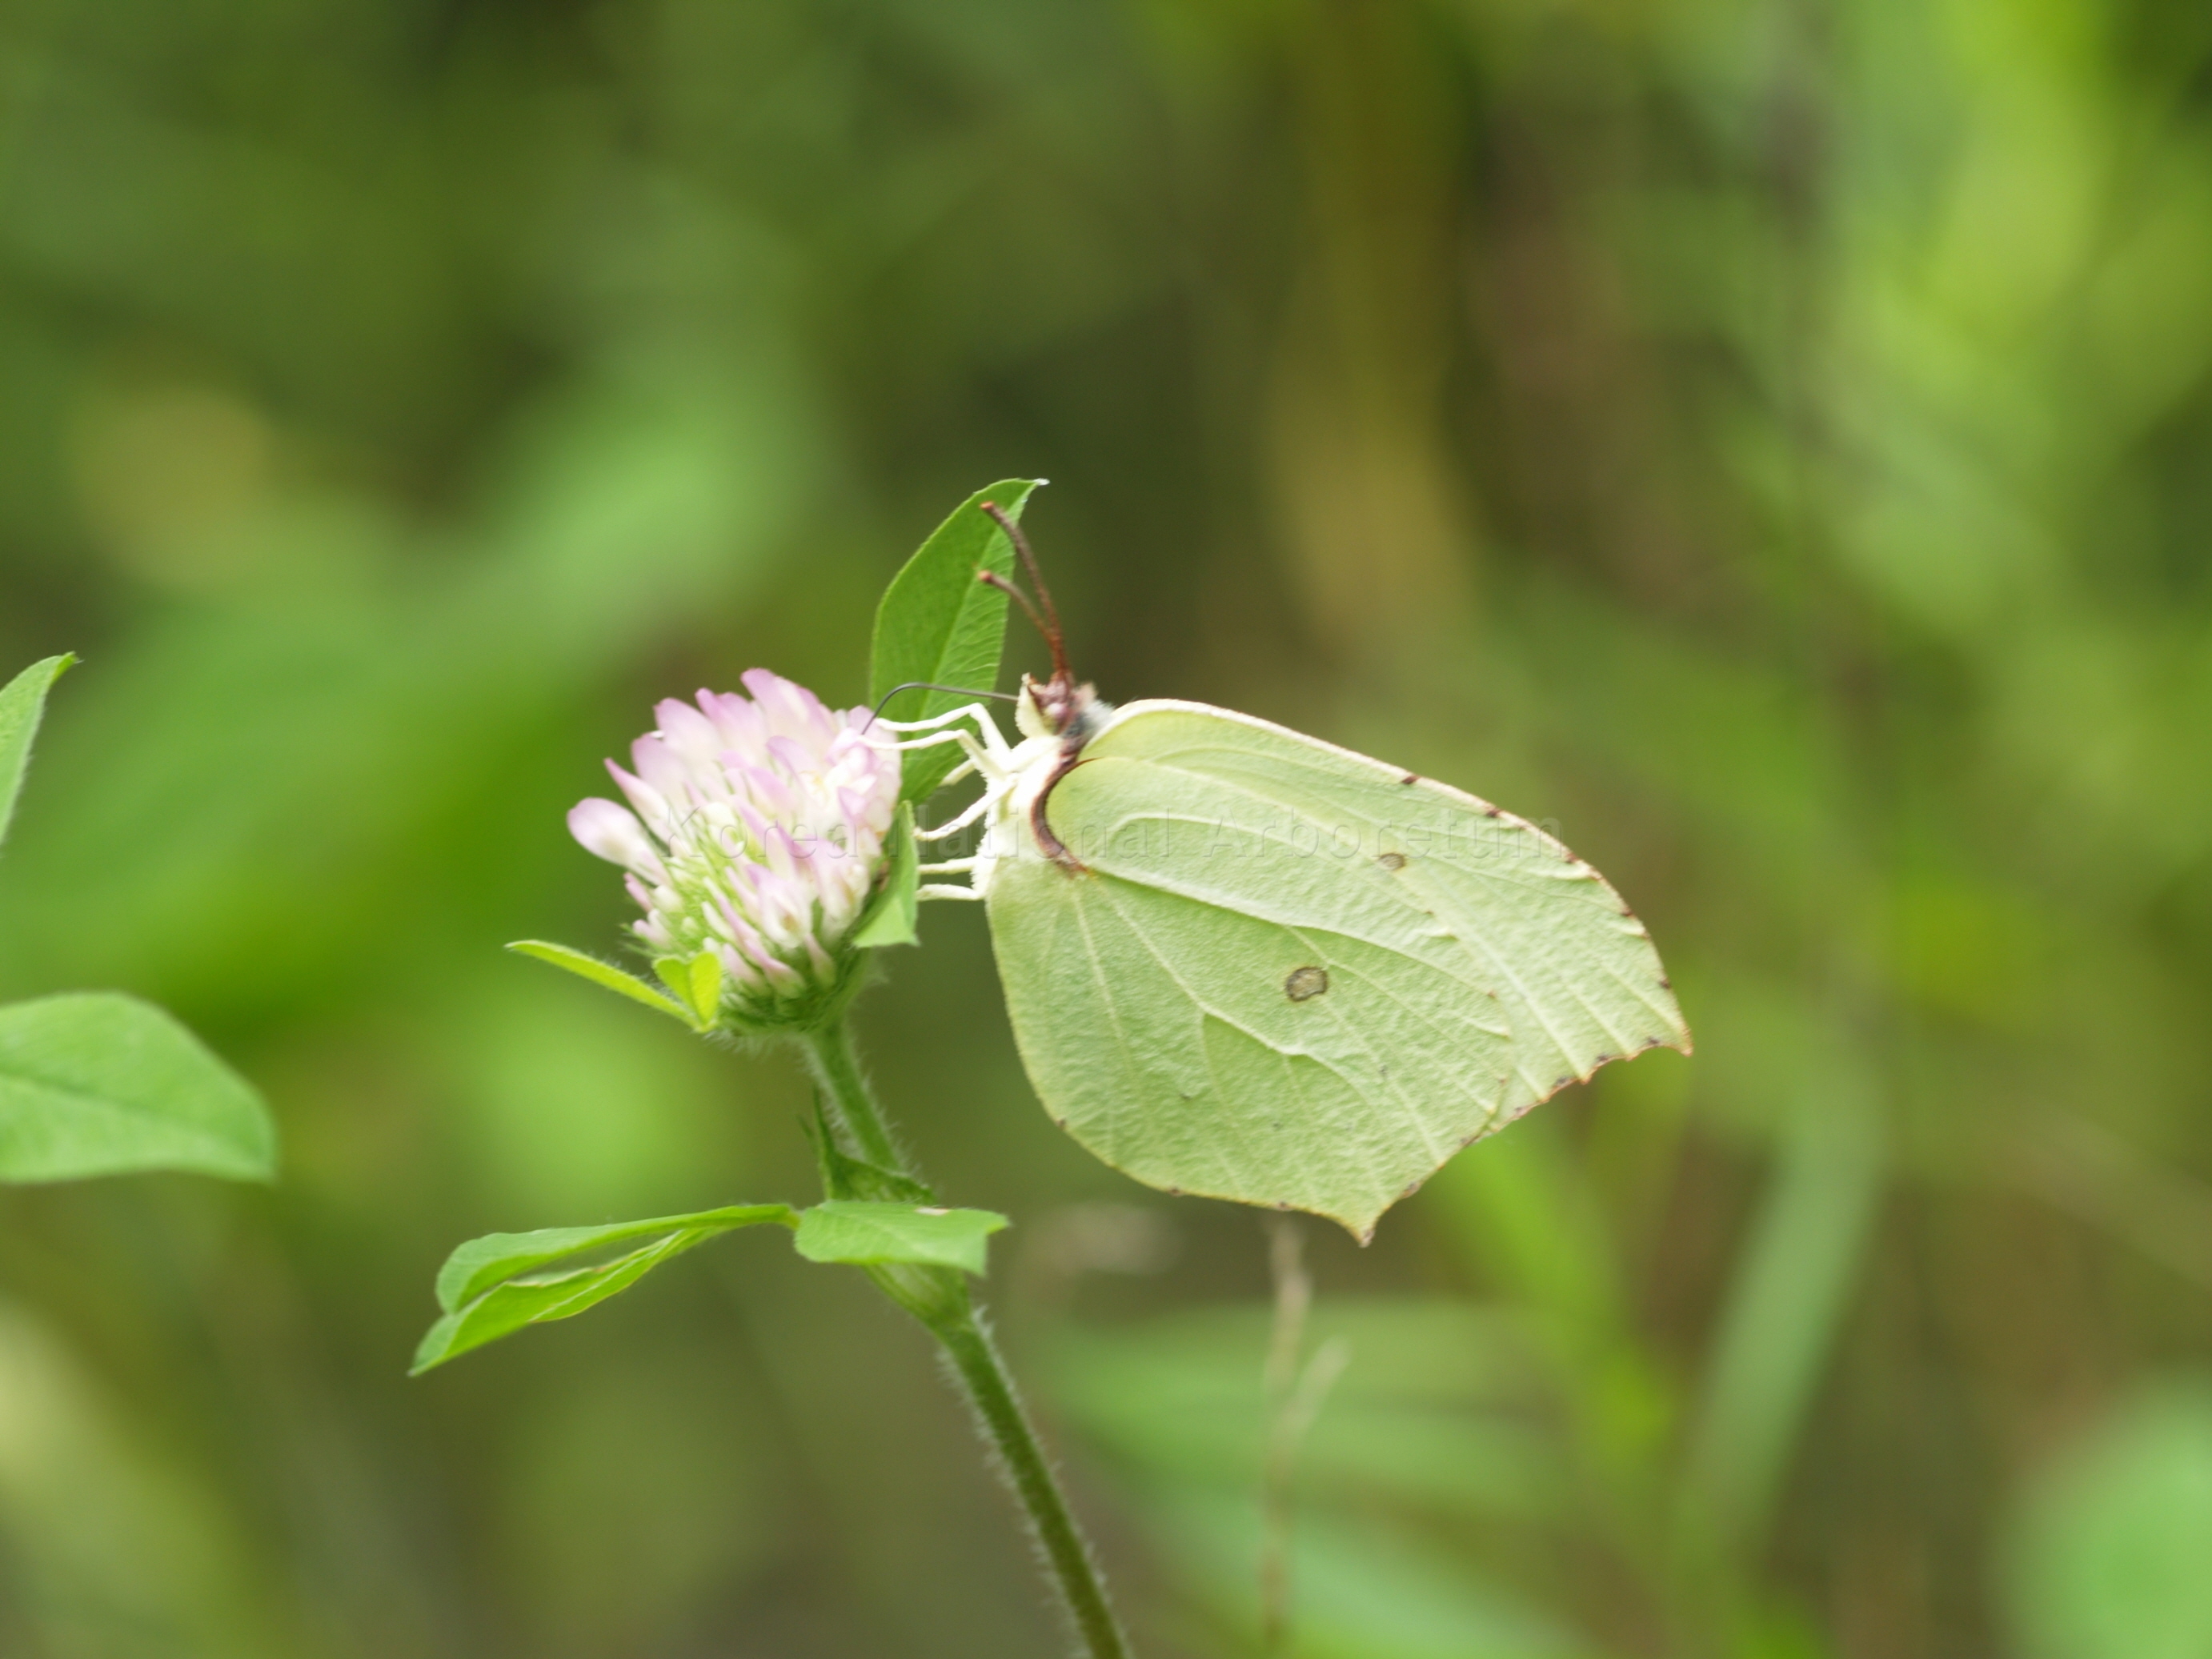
(651, 804)
(610, 832)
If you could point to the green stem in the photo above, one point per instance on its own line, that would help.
(939, 1298)
(979, 1364)
(850, 1103)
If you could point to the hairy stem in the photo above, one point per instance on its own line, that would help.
(848, 1101)
(939, 1298)
(980, 1366)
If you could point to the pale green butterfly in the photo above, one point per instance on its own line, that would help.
(1245, 963)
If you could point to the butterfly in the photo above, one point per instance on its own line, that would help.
(1245, 963)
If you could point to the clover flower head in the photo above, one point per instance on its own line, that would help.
(755, 830)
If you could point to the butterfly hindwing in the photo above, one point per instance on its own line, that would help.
(1203, 1050)
(1288, 975)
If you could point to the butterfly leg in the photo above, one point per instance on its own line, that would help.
(973, 810)
(934, 890)
(997, 769)
(992, 758)
(994, 741)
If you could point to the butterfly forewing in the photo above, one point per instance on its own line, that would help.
(1575, 970)
(1288, 975)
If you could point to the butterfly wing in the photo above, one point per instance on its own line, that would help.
(1291, 975)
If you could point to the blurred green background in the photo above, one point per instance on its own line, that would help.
(1771, 438)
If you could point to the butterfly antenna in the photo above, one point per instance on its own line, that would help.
(993, 579)
(1050, 625)
(877, 712)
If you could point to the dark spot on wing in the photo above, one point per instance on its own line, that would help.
(1391, 860)
(1597, 1060)
(1559, 1084)
(1306, 983)
(1491, 812)
(1650, 1042)
(1410, 777)
(1666, 984)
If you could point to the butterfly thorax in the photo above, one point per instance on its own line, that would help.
(1056, 719)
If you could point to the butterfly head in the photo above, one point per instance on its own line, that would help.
(1060, 708)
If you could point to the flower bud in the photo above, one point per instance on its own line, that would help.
(755, 830)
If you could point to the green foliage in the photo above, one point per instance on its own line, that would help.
(96, 1083)
(937, 623)
(870, 1234)
(606, 975)
(891, 915)
(22, 702)
(697, 985)
(844, 1176)
(495, 1285)
(1295, 976)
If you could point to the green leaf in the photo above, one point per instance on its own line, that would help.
(862, 1233)
(852, 1177)
(493, 1286)
(95, 1083)
(892, 912)
(22, 700)
(697, 984)
(938, 623)
(607, 975)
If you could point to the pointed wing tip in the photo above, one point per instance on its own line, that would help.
(1360, 1222)
(1361, 1226)
(1678, 1038)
